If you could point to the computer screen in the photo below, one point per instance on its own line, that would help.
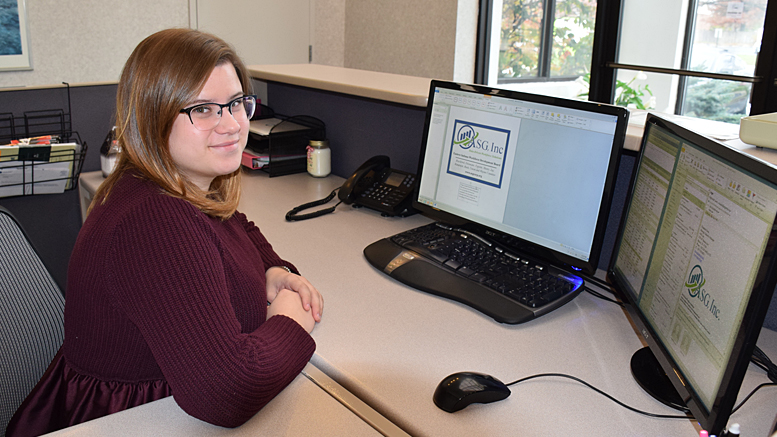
(537, 168)
(695, 260)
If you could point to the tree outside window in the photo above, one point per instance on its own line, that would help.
(546, 40)
(726, 40)
(545, 47)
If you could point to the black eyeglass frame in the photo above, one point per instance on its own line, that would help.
(228, 105)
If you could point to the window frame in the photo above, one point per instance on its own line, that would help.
(604, 65)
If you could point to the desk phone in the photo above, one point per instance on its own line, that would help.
(377, 186)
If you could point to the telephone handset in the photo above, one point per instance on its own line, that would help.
(362, 177)
(377, 186)
(374, 185)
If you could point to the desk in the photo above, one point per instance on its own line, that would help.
(301, 409)
(87, 186)
(390, 345)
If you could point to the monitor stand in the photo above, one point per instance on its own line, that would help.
(652, 378)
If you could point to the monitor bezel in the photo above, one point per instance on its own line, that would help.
(559, 259)
(749, 329)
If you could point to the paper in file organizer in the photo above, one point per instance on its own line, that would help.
(26, 170)
(266, 126)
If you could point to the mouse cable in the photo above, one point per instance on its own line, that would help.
(628, 407)
(747, 398)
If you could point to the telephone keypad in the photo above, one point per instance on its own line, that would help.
(384, 193)
(387, 194)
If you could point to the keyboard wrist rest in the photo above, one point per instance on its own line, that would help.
(432, 278)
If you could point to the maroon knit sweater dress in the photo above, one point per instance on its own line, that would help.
(165, 300)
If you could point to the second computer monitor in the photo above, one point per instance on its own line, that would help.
(695, 259)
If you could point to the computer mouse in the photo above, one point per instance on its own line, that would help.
(464, 388)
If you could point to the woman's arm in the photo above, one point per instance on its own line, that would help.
(170, 276)
(277, 277)
(269, 257)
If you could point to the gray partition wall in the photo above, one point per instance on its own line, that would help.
(52, 221)
(357, 127)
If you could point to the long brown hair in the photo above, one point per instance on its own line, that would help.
(165, 72)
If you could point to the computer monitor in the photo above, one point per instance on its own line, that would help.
(535, 172)
(695, 261)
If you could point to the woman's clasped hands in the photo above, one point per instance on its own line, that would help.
(293, 296)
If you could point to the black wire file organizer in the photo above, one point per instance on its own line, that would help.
(281, 148)
(39, 152)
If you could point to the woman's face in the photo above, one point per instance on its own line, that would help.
(203, 155)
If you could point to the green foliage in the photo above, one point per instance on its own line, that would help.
(717, 100)
(521, 37)
(571, 54)
(627, 94)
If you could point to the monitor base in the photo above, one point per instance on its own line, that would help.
(652, 378)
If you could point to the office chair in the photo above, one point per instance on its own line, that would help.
(32, 327)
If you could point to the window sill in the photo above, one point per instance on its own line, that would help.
(411, 90)
(726, 133)
(389, 87)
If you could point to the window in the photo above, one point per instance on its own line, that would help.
(542, 43)
(710, 59)
(725, 39)
(707, 36)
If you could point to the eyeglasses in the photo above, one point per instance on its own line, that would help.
(206, 116)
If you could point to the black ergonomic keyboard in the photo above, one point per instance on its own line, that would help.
(463, 266)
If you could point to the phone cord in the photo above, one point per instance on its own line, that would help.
(293, 214)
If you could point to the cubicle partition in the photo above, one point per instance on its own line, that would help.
(358, 127)
(52, 221)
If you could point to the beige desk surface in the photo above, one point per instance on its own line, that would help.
(302, 409)
(391, 345)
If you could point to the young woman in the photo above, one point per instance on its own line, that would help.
(171, 291)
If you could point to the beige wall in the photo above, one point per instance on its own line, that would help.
(88, 41)
(329, 32)
(430, 38)
(85, 42)
(410, 37)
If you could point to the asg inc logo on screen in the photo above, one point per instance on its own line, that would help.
(479, 137)
(465, 136)
(695, 286)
